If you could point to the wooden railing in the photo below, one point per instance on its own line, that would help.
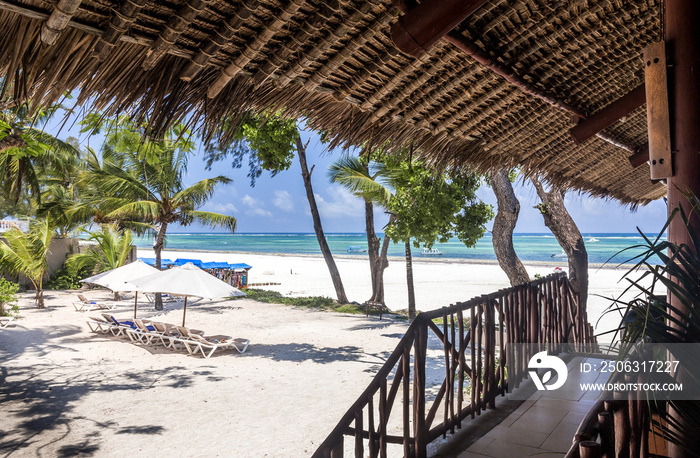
(618, 428)
(471, 363)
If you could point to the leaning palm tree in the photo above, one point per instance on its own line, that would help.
(27, 254)
(368, 183)
(129, 187)
(111, 251)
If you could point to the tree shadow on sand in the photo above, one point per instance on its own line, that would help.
(39, 399)
(300, 352)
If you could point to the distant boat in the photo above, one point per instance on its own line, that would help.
(559, 255)
(592, 239)
(431, 252)
(356, 249)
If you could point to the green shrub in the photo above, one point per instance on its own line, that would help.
(67, 278)
(324, 303)
(8, 297)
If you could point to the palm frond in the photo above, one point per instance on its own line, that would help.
(211, 219)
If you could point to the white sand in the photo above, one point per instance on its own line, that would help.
(65, 391)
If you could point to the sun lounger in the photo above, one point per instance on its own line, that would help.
(207, 346)
(5, 321)
(84, 305)
(120, 327)
(168, 334)
(143, 332)
(97, 324)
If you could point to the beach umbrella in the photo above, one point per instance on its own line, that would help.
(119, 279)
(187, 280)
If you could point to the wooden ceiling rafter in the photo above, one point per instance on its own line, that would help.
(119, 24)
(173, 29)
(311, 28)
(58, 21)
(272, 28)
(313, 55)
(367, 72)
(460, 104)
(349, 50)
(450, 86)
(417, 90)
(218, 39)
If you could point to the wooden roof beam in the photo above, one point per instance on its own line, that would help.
(219, 39)
(177, 24)
(253, 49)
(58, 20)
(639, 157)
(587, 128)
(119, 25)
(421, 27)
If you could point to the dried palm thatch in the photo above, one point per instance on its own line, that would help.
(335, 64)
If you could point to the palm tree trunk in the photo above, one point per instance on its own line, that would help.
(409, 283)
(563, 227)
(318, 228)
(372, 244)
(40, 298)
(158, 248)
(503, 227)
(381, 263)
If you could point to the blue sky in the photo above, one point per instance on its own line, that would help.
(279, 204)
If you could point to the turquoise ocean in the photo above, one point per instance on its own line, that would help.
(530, 247)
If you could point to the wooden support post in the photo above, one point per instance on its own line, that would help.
(607, 438)
(622, 427)
(589, 449)
(420, 432)
(406, 364)
(657, 110)
(683, 51)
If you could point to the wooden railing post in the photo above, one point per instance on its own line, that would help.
(420, 433)
(605, 430)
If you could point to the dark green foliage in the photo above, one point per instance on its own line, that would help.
(8, 295)
(323, 303)
(651, 317)
(433, 207)
(268, 140)
(68, 277)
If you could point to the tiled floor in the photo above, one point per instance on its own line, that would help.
(543, 426)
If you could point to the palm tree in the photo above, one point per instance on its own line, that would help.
(112, 251)
(132, 188)
(24, 147)
(355, 175)
(27, 254)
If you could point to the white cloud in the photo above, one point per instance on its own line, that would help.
(341, 203)
(255, 207)
(283, 201)
(259, 212)
(226, 209)
(251, 202)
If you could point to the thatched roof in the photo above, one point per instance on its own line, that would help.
(335, 63)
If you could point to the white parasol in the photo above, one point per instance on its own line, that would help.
(186, 280)
(119, 279)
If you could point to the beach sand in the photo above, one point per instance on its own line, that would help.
(66, 391)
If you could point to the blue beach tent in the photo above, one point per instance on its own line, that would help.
(240, 266)
(182, 262)
(215, 265)
(152, 261)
